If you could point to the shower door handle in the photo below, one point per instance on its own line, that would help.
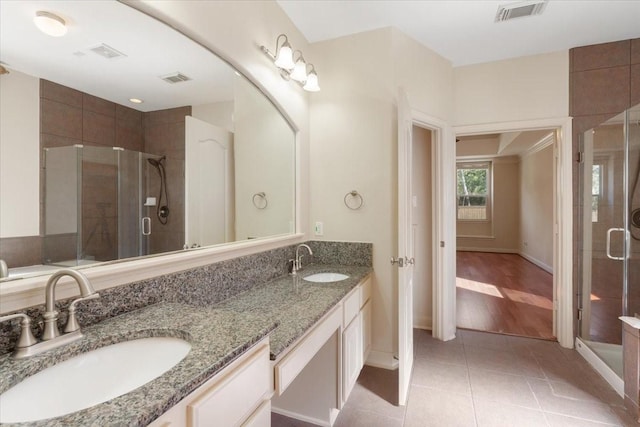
(626, 233)
(146, 226)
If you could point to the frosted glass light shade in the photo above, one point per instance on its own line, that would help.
(285, 57)
(50, 24)
(299, 73)
(312, 82)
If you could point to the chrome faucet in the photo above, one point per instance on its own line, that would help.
(297, 262)
(27, 345)
(51, 315)
(4, 269)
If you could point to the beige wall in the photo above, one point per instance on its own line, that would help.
(264, 155)
(19, 155)
(236, 30)
(536, 208)
(422, 229)
(527, 88)
(501, 232)
(353, 145)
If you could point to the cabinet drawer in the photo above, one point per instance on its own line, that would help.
(365, 291)
(261, 417)
(293, 363)
(232, 398)
(351, 306)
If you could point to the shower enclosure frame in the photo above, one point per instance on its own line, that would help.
(606, 357)
(65, 179)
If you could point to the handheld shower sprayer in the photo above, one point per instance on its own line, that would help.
(162, 210)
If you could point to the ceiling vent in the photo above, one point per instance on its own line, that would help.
(519, 10)
(175, 78)
(106, 51)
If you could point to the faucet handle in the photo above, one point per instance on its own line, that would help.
(72, 321)
(26, 336)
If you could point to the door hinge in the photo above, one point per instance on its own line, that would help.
(579, 314)
(580, 157)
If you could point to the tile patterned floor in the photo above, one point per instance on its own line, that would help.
(484, 380)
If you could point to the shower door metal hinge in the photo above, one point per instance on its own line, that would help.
(579, 314)
(580, 157)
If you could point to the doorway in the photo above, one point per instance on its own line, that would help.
(506, 237)
(422, 226)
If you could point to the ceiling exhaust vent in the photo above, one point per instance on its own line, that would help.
(175, 78)
(106, 51)
(519, 10)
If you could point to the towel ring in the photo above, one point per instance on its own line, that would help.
(260, 200)
(353, 200)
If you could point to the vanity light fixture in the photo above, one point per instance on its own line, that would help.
(292, 67)
(50, 24)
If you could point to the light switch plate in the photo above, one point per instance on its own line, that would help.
(319, 228)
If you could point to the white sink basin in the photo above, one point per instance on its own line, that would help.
(91, 378)
(325, 277)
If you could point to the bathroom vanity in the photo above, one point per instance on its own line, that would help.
(314, 362)
(288, 345)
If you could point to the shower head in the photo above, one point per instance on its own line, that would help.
(156, 163)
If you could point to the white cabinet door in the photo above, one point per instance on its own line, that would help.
(351, 356)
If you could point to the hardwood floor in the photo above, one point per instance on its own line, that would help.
(503, 293)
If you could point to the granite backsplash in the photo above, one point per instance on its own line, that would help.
(206, 285)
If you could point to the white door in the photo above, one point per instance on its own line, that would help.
(405, 259)
(209, 184)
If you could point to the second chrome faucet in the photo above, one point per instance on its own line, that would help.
(297, 262)
(27, 345)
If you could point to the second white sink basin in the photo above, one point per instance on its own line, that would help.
(325, 277)
(91, 378)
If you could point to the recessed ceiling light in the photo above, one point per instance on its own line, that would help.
(136, 100)
(50, 24)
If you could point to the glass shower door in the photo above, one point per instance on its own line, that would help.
(609, 271)
(633, 268)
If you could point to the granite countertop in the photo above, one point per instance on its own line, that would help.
(216, 336)
(285, 308)
(294, 303)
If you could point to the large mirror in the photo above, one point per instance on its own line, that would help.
(123, 138)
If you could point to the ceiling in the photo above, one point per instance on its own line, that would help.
(464, 31)
(151, 51)
(493, 145)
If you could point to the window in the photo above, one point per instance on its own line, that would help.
(473, 190)
(596, 190)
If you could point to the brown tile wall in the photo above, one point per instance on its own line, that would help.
(164, 135)
(604, 80)
(68, 117)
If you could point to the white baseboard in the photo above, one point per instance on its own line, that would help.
(381, 359)
(422, 322)
(542, 265)
(300, 417)
(495, 250)
(596, 363)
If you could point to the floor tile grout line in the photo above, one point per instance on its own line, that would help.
(473, 403)
(582, 419)
(535, 396)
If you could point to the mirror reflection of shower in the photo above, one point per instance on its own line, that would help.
(162, 206)
(634, 178)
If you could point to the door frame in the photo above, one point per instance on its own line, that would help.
(443, 225)
(563, 228)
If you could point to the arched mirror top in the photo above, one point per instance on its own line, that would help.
(118, 179)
